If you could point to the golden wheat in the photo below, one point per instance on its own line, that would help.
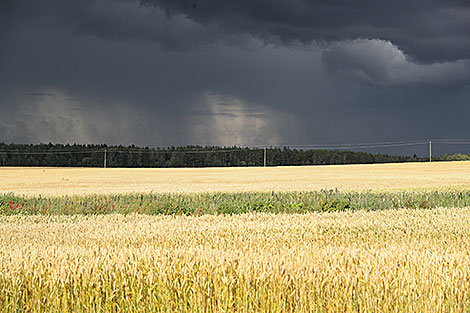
(383, 177)
(383, 261)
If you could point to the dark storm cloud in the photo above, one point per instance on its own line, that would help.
(380, 62)
(428, 30)
(117, 20)
(123, 20)
(431, 37)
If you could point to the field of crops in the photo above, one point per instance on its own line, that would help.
(392, 238)
(383, 177)
(383, 261)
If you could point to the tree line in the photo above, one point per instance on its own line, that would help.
(91, 155)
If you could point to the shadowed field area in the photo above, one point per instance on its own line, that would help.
(380, 177)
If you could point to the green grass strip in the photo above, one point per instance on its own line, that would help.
(231, 203)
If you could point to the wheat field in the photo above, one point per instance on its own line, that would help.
(383, 261)
(356, 260)
(379, 177)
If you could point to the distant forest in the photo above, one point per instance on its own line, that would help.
(185, 156)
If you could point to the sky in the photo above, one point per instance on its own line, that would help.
(159, 73)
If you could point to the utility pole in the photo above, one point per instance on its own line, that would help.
(264, 157)
(430, 151)
(104, 158)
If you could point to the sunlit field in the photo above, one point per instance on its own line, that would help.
(383, 261)
(385, 177)
(357, 238)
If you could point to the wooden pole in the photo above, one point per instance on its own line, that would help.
(104, 158)
(264, 163)
(430, 151)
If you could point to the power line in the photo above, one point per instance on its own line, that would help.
(16, 152)
(455, 139)
(453, 142)
(383, 144)
(361, 146)
(356, 144)
(143, 151)
(184, 151)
